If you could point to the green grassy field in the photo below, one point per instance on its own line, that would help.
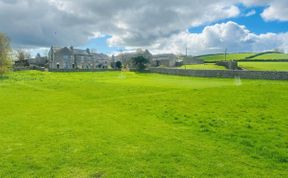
(273, 66)
(273, 56)
(243, 56)
(113, 124)
(207, 66)
(221, 57)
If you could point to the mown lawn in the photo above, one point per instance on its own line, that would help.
(272, 66)
(207, 66)
(113, 124)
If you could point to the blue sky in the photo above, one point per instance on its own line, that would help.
(100, 45)
(255, 23)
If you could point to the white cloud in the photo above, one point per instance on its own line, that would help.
(213, 39)
(131, 23)
(275, 9)
(250, 13)
(278, 10)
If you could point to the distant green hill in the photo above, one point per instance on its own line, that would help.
(268, 66)
(244, 56)
(221, 56)
(271, 56)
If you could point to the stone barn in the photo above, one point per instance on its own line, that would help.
(167, 60)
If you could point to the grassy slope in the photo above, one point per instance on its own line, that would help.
(206, 66)
(273, 56)
(273, 66)
(239, 56)
(220, 57)
(141, 125)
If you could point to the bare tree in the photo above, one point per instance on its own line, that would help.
(22, 55)
(5, 54)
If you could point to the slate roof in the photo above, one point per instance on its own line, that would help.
(160, 57)
(81, 52)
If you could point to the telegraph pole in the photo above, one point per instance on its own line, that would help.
(225, 54)
(186, 57)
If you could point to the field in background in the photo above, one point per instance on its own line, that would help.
(221, 57)
(273, 66)
(113, 124)
(207, 66)
(274, 56)
(245, 56)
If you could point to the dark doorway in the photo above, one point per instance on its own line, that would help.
(157, 63)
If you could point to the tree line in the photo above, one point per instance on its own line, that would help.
(5, 54)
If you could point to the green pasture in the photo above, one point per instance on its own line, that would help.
(206, 66)
(273, 66)
(272, 56)
(113, 124)
(221, 57)
(245, 56)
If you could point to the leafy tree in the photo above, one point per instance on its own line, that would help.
(5, 52)
(140, 62)
(118, 65)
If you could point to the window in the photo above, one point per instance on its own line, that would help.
(65, 57)
(66, 65)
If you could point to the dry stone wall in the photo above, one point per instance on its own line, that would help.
(265, 75)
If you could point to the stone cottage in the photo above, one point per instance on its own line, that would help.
(167, 60)
(70, 58)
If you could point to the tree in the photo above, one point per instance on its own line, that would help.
(140, 62)
(5, 51)
(118, 65)
(22, 55)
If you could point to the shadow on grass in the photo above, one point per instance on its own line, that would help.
(3, 77)
(141, 71)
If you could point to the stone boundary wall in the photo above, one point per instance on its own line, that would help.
(81, 70)
(233, 65)
(254, 60)
(28, 68)
(265, 75)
